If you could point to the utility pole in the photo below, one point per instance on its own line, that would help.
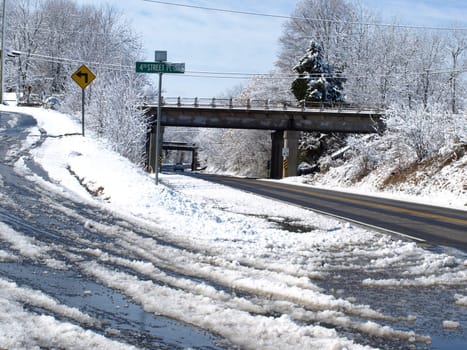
(2, 58)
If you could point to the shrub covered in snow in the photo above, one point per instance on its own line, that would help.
(423, 151)
(426, 131)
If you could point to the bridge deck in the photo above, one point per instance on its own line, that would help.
(269, 117)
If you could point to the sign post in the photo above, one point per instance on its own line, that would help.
(160, 66)
(158, 130)
(83, 77)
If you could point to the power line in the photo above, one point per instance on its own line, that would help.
(218, 9)
(277, 76)
(245, 76)
(55, 59)
(259, 14)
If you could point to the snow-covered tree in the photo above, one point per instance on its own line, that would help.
(327, 22)
(425, 131)
(55, 37)
(317, 80)
(28, 38)
(457, 46)
(61, 35)
(116, 115)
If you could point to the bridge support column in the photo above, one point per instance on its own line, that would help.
(280, 140)
(291, 146)
(194, 159)
(277, 138)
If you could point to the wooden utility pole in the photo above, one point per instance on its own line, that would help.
(2, 58)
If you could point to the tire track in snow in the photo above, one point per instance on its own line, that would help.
(197, 280)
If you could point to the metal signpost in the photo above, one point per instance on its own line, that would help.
(160, 66)
(83, 77)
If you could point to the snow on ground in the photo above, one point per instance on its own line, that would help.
(231, 238)
(430, 185)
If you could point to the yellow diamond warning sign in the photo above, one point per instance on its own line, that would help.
(83, 76)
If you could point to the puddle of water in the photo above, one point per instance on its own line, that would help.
(290, 225)
(430, 305)
(37, 169)
(284, 223)
(447, 343)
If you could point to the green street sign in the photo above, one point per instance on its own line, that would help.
(160, 67)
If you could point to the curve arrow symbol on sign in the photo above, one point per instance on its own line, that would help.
(85, 75)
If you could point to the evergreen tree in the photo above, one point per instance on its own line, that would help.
(317, 80)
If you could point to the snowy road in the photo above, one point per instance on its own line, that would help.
(92, 255)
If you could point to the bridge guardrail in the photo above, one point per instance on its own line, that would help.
(265, 104)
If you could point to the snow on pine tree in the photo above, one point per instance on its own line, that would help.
(317, 81)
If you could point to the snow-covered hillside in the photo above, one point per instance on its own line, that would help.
(441, 181)
(422, 154)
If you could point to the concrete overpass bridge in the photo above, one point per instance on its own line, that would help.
(284, 119)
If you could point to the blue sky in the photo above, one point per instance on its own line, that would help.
(423, 12)
(224, 42)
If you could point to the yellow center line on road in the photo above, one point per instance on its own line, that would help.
(363, 202)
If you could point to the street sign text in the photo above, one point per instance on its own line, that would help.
(160, 67)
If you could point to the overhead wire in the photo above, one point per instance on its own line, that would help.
(127, 68)
(240, 75)
(279, 16)
(243, 75)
